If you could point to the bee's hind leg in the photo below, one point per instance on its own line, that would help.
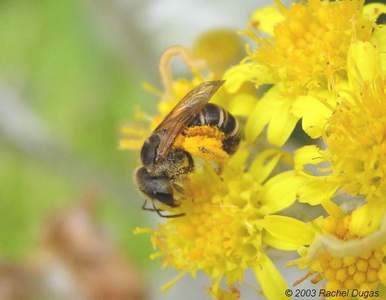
(148, 208)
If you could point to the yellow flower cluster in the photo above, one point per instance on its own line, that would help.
(356, 140)
(319, 62)
(222, 231)
(305, 59)
(309, 47)
(345, 260)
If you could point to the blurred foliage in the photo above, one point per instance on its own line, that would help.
(26, 192)
(51, 52)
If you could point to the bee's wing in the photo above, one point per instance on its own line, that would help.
(183, 113)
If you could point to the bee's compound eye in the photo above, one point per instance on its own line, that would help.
(149, 150)
(155, 187)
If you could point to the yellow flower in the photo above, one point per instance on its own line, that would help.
(223, 231)
(219, 48)
(356, 143)
(344, 259)
(239, 104)
(305, 59)
(354, 161)
(309, 47)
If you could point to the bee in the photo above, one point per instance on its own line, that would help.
(164, 164)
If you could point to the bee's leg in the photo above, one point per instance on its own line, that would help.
(191, 162)
(184, 162)
(148, 208)
(165, 216)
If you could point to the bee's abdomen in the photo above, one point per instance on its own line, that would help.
(216, 116)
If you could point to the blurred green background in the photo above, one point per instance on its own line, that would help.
(64, 77)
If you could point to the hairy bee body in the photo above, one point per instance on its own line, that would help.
(156, 179)
(216, 116)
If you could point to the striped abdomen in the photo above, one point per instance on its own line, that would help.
(216, 116)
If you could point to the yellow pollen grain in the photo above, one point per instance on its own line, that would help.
(382, 274)
(351, 270)
(324, 262)
(348, 261)
(374, 263)
(372, 275)
(362, 265)
(378, 254)
(359, 277)
(335, 263)
(341, 275)
(349, 284)
(330, 274)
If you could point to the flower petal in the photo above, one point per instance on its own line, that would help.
(264, 164)
(372, 10)
(242, 104)
(270, 279)
(263, 113)
(282, 124)
(236, 162)
(133, 137)
(314, 114)
(237, 75)
(311, 154)
(315, 190)
(289, 230)
(279, 192)
(266, 18)
(277, 243)
(128, 144)
(366, 219)
(363, 63)
(379, 39)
